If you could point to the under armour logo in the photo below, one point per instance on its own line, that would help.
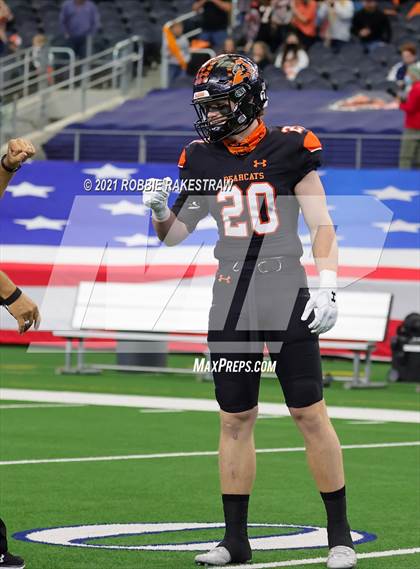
(222, 279)
(262, 163)
(1, 558)
(333, 296)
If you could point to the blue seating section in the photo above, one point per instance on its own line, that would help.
(170, 110)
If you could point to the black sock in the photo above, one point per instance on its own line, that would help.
(337, 525)
(235, 507)
(3, 537)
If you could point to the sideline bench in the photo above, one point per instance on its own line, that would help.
(168, 311)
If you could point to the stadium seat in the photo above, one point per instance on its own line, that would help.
(383, 54)
(310, 79)
(382, 85)
(318, 48)
(341, 78)
(351, 49)
(280, 83)
(271, 71)
(365, 68)
(135, 12)
(183, 6)
(328, 70)
(184, 82)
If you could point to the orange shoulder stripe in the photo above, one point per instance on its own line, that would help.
(311, 142)
(182, 159)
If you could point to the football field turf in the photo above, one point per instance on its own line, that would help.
(159, 466)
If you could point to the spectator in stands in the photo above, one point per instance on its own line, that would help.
(79, 20)
(41, 61)
(274, 22)
(229, 45)
(6, 16)
(371, 25)
(337, 17)
(252, 23)
(216, 16)
(14, 43)
(408, 57)
(304, 20)
(267, 21)
(414, 12)
(178, 48)
(292, 58)
(261, 54)
(280, 21)
(265, 11)
(410, 144)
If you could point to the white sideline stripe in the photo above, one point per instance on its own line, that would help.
(39, 406)
(161, 410)
(189, 404)
(189, 454)
(366, 422)
(299, 562)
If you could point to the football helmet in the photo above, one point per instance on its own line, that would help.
(231, 84)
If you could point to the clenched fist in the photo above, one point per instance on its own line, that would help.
(156, 195)
(26, 313)
(18, 150)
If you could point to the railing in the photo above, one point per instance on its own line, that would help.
(26, 103)
(143, 136)
(22, 78)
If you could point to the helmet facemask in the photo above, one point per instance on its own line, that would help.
(236, 114)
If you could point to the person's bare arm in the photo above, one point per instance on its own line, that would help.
(171, 231)
(198, 5)
(18, 150)
(23, 309)
(311, 196)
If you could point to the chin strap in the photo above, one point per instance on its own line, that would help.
(249, 143)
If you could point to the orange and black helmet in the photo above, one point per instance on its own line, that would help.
(234, 84)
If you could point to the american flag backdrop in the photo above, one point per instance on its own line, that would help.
(55, 233)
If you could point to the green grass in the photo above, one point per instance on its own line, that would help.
(382, 483)
(24, 370)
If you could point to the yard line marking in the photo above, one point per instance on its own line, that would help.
(39, 405)
(298, 562)
(190, 404)
(188, 454)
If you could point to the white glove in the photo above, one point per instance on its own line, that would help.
(323, 301)
(155, 196)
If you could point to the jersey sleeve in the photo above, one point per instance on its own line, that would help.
(308, 155)
(191, 205)
(312, 152)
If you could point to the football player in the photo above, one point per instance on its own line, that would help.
(260, 294)
(20, 306)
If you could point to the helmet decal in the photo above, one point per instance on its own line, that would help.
(242, 70)
(203, 73)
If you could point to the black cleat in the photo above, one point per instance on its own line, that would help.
(9, 561)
